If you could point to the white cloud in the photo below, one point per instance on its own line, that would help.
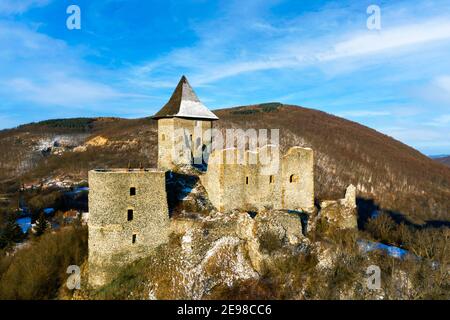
(295, 50)
(20, 6)
(437, 92)
(63, 91)
(414, 134)
(443, 82)
(389, 39)
(441, 121)
(45, 71)
(428, 139)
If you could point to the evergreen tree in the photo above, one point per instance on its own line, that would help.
(41, 225)
(10, 232)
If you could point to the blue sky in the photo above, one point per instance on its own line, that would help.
(129, 55)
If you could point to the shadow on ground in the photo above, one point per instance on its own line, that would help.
(367, 208)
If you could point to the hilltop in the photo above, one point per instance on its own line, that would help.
(387, 172)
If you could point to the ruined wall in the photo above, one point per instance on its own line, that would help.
(170, 141)
(284, 183)
(267, 176)
(297, 167)
(110, 231)
(165, 143)
(225, 180)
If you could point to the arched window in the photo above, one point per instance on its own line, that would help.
(246, 180)
(163, 137)
(271, 179)
(132, 191)
(293, 178)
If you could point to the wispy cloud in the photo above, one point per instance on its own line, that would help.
(437, 92)
(8, 7)
(444, 83)
(46, 71)
(390, 39)
(441, 121)
(292, 53)
(64, 91)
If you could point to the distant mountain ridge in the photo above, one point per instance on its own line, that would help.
(386, 171)
(437, 156)
(444, 159)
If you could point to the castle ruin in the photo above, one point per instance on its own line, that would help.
(128, 209)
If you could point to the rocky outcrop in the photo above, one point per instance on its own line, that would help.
(280, 227)
(97, 141)
(350, 197)
(223, 249)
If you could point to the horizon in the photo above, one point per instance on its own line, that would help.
(127, 58)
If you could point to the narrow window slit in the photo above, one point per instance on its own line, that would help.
(130, 215)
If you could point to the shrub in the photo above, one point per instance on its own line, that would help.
(75, 123)
(270, 107)
(38, 270)
(245, 112)
(383, 228)
(10, 231)
(44, 200)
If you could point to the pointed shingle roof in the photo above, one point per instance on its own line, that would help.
(184, 103)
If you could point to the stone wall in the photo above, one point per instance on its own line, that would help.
(282, 183)
(341, 213)
(297, 167)
(171, 142)
(115, 241)
(165, 142)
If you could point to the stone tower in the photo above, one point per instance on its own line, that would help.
(128, 218)
(184, 128)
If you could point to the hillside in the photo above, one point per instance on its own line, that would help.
(444, 160)
(395, 176)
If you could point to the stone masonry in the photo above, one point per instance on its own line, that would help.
(128, 217)
(289, 184)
